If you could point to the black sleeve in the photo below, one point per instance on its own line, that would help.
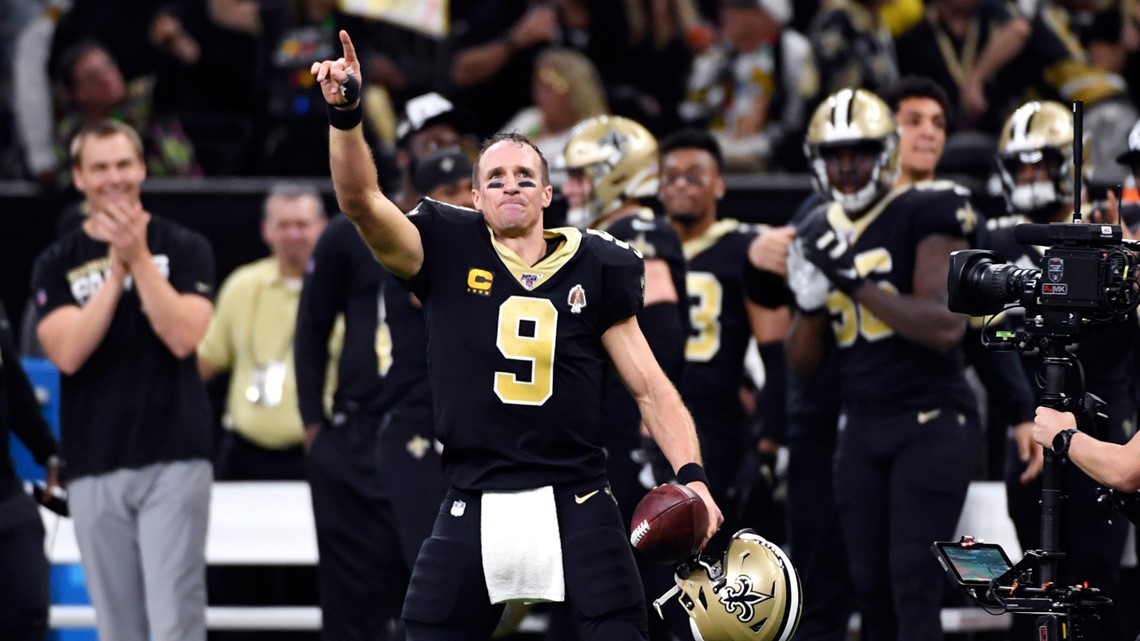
(49, 284)
(322, 298)
(26, 419)
(192, 269)
(765, 288)
(665, 333)
(773, 398)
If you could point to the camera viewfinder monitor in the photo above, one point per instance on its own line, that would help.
(975, 564)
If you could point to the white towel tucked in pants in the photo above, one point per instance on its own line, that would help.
(522, 549)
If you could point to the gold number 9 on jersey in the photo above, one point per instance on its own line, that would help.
(527, 331)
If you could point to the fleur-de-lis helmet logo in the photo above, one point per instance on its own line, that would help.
(739, 597)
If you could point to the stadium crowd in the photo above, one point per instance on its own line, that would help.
(841, 409)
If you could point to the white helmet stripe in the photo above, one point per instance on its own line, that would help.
(1019, 126)
(841, 117)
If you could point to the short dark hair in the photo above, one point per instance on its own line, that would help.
(104, 129)
(917, 87)
(692, 139)
(291, 190)
(518, 139)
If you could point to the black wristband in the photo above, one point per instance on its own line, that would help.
(690, 472)
(345, 119)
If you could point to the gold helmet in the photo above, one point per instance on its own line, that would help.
(1040, 131)
(853, 118)
(620, 158)
(752, 594)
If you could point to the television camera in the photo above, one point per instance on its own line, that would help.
(1087, 281)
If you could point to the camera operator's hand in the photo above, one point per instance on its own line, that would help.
(1048, 422)
(808, 284)
(1028, 452)
(829, 250)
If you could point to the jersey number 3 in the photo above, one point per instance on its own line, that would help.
(527, 331)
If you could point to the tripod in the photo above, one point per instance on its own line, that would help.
(1063, 612)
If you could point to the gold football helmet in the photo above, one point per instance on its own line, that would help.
(853, 118)
(752, 594)
(1040, 131)
(619, 157)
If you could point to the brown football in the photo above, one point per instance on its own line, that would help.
(669, 524)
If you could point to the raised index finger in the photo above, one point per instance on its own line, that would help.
(350, 60)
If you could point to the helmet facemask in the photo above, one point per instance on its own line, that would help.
(1039, 135)
(857, 120)
(855, 174)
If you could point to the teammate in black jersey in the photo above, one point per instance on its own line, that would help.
(520, 324)
(1036, 168)
(611, 164)
(873, 262)
(380, 440)
(724, 319)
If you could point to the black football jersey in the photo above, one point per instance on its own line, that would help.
(654, 237)
(342, 278)
(401, 351)
(514, 351)
(881, 370)
(718, 339)
(664, 324)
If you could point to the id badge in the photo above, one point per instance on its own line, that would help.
(267, 385)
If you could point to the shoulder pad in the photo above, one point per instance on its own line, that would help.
(608, 248)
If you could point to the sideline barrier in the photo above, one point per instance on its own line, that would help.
(272, 524)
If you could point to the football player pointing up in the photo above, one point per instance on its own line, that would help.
(521, 322)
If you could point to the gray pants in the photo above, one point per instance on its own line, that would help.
(142, 538)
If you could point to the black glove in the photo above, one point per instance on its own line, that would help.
(829, 250)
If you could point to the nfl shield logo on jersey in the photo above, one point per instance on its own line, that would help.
(529, 280)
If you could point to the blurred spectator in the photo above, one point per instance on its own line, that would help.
(292, 34)
(24, 569)
(94, 89)
(663, 34)
(565, 89)
(218, 102)
(1065, 61)
(445, 176)
(32, 106)
(852, 47)
(430, 123)
(134, 415)
(753, 87)
(251, 336)
(952, 38)
(496, 42)
(144, 41)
